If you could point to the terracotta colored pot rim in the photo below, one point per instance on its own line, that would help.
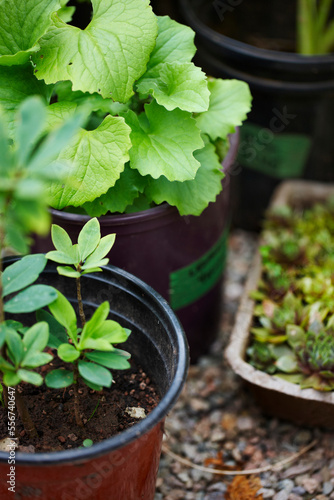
(245, 50)
(159, 212)
(149, 298)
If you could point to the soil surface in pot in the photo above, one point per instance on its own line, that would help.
(104, 413)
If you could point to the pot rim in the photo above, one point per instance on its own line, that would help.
(246, 50)
(156, 415)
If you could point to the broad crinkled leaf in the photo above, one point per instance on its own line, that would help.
(123, 193)
(174, 44)
(179, 85)
(163, 142)
(22, 23)
(191, 197)
(230, 101)
(108, 56)
(96, 159)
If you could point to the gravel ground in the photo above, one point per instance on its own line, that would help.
(216, 423)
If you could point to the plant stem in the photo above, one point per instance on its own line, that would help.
(22, 409)
(78, 419)
(80, 304)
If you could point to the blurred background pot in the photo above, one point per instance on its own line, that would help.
(289, 131)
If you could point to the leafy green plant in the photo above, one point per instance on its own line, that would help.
(293, 331)
(26, 166)
(157, 125)
(314, 27)
(89, 348)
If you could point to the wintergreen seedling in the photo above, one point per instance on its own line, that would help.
(89, 348)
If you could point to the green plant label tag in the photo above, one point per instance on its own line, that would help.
(278, 155)
(192, 282)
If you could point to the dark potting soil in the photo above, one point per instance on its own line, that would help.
(103, 413)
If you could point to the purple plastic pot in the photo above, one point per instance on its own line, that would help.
(181, 257)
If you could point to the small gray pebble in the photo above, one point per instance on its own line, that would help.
(298, 490)
(327, 488)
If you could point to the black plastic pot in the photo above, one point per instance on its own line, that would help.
(182, 257)
(124, 466)
(289, 132)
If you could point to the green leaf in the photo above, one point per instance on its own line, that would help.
(191, 197)
(70, 257)
(89, 238)
(93, 265)
(95, 374)
(35, 359)
(96, 159)
(32, 298)
(21, 26)
(60, 238)
(30, 124)
(14, 346)
(64, 313)
(16, 84)
(96, 322)
(36, 337)
(111, 331)
(61, 134)
(57, 379)
(230, 101)
(92, 386)
(68, 353)
(174, 44)
(109, 359)
(3, 328)
(96, 344)
(30, 377)
(22, 273)
(108, 56)
(57, 333)
(163, 142)
(68, 271)
(180, 85)
(287, 364)
(11, 379)
(118, 197)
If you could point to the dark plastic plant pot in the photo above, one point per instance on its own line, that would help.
(183, 258)
(124, 466)
(289, 132)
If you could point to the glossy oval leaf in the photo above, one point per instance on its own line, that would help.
(31, 299)
(22, 273)
(89, 238)
(58, 379)
(95, 374)
(68, 353)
